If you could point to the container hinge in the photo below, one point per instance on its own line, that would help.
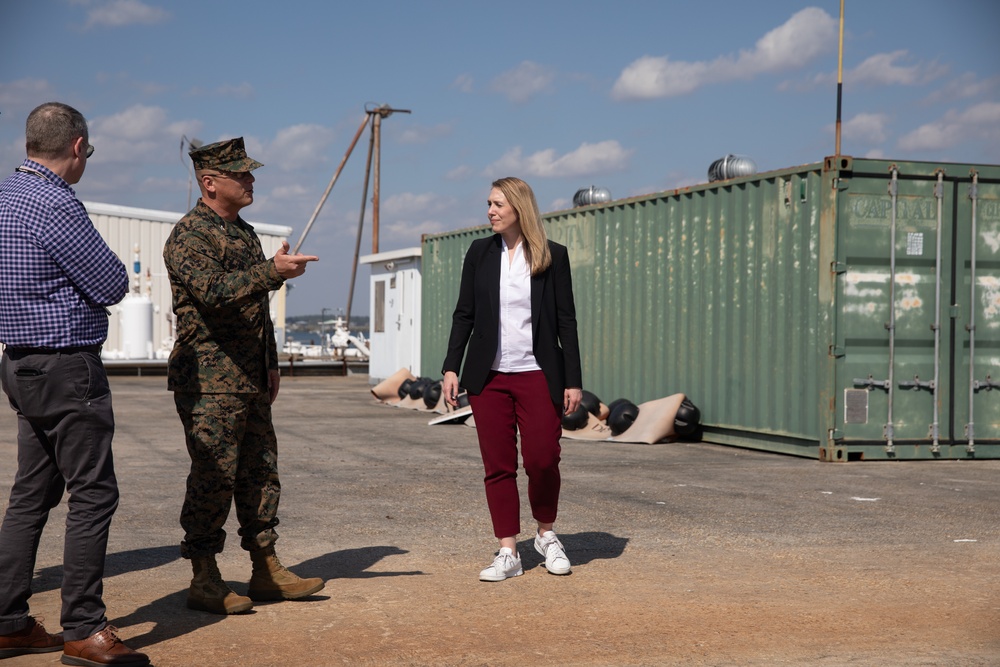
(837, 351)
(889, 433)
(916, 385)
(834, 434)
(838, 267)
(970, 434)
(871, 383)
(986, 385)
(842, 183)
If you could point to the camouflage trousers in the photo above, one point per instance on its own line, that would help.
(234, 457)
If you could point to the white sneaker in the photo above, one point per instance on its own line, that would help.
(549, 546)
(505, 565)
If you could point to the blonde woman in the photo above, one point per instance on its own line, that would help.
(515, 312)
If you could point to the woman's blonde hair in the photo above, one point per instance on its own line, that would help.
(522, 199)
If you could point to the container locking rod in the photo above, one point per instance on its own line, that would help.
(871, 383)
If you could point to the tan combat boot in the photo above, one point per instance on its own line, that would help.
(208, 592)
(272, 581)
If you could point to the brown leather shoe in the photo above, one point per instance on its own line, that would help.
(102, 648)
(32, 639)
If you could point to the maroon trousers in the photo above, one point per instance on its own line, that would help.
(510, 403)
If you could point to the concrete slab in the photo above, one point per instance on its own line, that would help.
(683, 554)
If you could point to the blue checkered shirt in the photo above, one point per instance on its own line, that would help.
(57, 275)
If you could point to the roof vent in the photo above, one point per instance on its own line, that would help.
(731, 166)
(591, 195)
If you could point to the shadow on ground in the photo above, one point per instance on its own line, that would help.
(351, 564)
(172, 618)
(581, 548)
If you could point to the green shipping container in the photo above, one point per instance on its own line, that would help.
(844, 310)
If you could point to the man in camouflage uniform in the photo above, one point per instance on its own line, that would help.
(223, 371)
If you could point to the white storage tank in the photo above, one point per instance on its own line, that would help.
(136, 326)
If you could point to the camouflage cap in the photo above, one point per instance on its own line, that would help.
(229, 155)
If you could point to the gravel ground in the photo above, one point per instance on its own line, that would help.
(683, 554)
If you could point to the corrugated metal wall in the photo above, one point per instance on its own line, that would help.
(708, 292)
(442, 256)
(123, 228)
(738, 293)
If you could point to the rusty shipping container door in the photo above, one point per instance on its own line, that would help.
(918, 291)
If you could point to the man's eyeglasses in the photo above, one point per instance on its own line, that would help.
(90, 150)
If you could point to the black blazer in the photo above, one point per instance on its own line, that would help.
(476, 319)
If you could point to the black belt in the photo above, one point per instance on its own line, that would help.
(25, 351)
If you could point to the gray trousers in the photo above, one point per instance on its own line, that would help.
(65, 426)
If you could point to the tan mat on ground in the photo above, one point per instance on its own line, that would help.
(459, 416)
(387, 391)
(655, 423)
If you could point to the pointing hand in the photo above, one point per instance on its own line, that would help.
(291, 266)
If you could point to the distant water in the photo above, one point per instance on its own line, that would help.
(315, 336)
(305, 337)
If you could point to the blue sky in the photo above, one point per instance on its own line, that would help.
(633, 96)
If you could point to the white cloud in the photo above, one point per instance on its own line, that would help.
(560, 204)
(979, 122)
(407, 233)
(651, 77)
(883, 69)
(298, 147)
(294, 191)
(139, 134)
(23, 95)
(962, 87)
(869, 128)
(406, 216)
(120, 13)
(460, 173)
(523, 82)
(587, 160)
(415, 205)
(805, 36)
(136, 122)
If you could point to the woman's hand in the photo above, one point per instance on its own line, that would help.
(571, 399)
(449, 387)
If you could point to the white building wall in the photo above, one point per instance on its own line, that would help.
(395, 300)
(125, 228)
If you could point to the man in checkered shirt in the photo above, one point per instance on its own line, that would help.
(57, 279)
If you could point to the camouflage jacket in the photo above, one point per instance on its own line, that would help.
(219, 281)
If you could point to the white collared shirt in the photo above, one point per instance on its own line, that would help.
(514, 353)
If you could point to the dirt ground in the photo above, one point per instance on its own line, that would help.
(683, 554)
